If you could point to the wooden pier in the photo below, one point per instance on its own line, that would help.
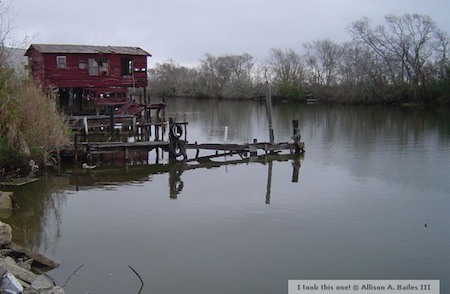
(101, 135)
(134, 138)
(89, 149)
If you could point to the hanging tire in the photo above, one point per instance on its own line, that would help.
(176, 131)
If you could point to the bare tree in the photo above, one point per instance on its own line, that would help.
(227, 76)
(172, 79)
(442, 62)
(287, 70)
(6, 26)
(322, 58)
(407, 46)
(360, 77)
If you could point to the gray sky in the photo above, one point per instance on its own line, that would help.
(184, 30)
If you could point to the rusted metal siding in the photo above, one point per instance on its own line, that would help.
(76, 72)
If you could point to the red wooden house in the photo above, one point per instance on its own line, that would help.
(103, 74)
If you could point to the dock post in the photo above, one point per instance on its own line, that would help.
(197, 153)
(185, 127)
(225, 135)
(296, 136)
(149, 127)
(156, 132)
(269, 112)
(171, 139)
(126, 155)
(75, 146)
(253, 148)
(111, 119)
(86, 126)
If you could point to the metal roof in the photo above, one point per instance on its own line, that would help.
(88, 49)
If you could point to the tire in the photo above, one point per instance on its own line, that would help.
(176, 131)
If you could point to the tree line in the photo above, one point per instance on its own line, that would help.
(404, 60)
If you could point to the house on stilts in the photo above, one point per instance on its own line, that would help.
(89, 78)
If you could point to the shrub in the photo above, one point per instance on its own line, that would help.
(31, 123)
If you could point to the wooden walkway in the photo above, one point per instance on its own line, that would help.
(248, 147)
(139, 141)
(94, 148)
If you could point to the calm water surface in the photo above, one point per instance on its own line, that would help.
(369, 181)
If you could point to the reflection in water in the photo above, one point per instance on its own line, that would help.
(116, 175)
(175, 182)
(296, 169)
(36, 221)
(373, 177)
(269, 182)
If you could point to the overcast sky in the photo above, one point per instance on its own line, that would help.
(184, 30)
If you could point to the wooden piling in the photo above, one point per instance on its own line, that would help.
(126, 155)
(185, 127)
(111, 119)
(269, 112)
(75, 144)
(299, 146)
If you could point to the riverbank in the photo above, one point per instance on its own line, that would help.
(23, 270)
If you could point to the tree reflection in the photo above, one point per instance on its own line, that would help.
(36, 222)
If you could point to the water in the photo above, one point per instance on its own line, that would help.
(370, 180)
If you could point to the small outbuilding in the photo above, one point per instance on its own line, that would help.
(80, 73)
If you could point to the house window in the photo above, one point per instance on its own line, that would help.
(60, 62)
(82, 64)
(126, 66)
(98, 67)
(103, 67)
(93, 67)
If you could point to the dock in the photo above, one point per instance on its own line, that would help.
(99, 136)
(134, 140)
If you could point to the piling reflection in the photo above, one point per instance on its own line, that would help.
(36, 223)
(175, 183)
(116, 175)
(269, 182)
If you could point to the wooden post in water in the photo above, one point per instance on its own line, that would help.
(296, 136)
(126, 155)
(185, 127)
(111, 119)
(75, 146)
(269, 112)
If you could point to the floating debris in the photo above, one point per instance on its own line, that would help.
(17, 181)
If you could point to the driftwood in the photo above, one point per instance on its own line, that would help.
(36, 256)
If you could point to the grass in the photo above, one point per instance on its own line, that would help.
(30, 121)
